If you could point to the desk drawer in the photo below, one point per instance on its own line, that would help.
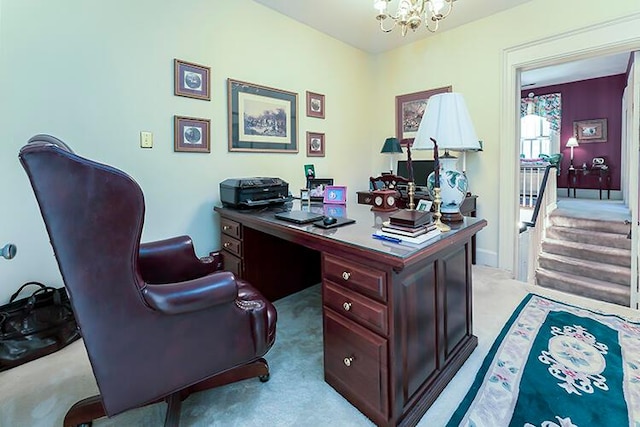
(231, 245)
(363, 310)
(355, 364)
(233, 264)
(230, 228)
(361, 279)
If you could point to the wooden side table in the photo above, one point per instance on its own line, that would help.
(580, 176)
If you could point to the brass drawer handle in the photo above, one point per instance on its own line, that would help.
(226, 227)
(346, 275)
(227, 244)
(347, 361)
(346, 306)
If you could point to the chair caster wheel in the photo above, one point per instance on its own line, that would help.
(264, 378)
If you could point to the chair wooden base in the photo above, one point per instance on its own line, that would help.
(83, 412)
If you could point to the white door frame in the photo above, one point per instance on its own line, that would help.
(615, 36)
(632, 149)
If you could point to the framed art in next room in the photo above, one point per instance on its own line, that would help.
(191, 134)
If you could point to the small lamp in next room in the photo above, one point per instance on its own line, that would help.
(391, 147)
(572, 143)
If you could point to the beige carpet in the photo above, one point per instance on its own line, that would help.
(39, 393)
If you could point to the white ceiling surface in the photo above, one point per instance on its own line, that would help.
(583, 69)
(354, 22)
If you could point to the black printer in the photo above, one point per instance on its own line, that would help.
(252, 192)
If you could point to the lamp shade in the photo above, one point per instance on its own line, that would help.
(391, 145)
(572, 142)
(446, 120)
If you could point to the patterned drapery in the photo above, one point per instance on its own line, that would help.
(548, 106)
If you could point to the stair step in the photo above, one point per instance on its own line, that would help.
(615, 227)
(588, 287)
(586, 251)
(600, 238)
(584, 268)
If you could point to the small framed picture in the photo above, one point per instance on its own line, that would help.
(304, 194)
(590, 130)
(191, 134)
(191, 80)
(424, 205)
(315, 144)
(315, 105)
(317, 187)
(335, 194)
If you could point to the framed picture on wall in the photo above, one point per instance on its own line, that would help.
(409, 111)
(191, 80)
(191, 134)
(262, 119)
(315, 105)
(315, 144)
(590, 130)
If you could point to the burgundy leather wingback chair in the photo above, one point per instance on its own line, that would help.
(158, 323)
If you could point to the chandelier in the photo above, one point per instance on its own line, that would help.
(412, 13)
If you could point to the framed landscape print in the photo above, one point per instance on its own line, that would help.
(315, 105)
(315, 144)
(409, 111)
(191, 80)
(590, 130)
(191, 134)
(261, 118)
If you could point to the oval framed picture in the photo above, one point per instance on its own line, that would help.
(315, 144)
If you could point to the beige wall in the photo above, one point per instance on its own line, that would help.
(97, 73)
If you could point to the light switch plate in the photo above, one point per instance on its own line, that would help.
(146, 139)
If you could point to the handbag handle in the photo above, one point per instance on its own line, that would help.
(15, 295)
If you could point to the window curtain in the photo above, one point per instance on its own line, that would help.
(547, 106)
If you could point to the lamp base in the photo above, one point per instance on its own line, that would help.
(451, 217)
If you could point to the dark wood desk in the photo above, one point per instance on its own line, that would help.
(580, 176)
(397, 319)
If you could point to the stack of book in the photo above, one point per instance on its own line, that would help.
(422, 230)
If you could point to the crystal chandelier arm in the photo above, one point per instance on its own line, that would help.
(435, 16)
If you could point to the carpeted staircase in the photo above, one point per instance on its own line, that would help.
(586, 257)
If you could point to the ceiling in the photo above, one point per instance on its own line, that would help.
(354, 23)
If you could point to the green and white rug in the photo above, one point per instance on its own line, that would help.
(556, 365)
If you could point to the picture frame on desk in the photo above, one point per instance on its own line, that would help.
(409, 110)
(191, 134)
(335, 194)
(317, 187)
(191, 80)
(261, 118)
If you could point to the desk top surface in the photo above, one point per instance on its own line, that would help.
(356, 236)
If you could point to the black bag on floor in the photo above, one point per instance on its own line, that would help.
(35, 326)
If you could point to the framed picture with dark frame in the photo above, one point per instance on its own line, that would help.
(409, 111)
(335, 194)
(590, 130)
(315, 144)
(317, 187)
(262, 119)
(191, 80)
(191, 134)
(315, 105)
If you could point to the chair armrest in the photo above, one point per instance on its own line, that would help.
(174, 260)
(192, 295)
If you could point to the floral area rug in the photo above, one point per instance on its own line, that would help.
(556, 365)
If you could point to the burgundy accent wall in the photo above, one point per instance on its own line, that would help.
(585, 100)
